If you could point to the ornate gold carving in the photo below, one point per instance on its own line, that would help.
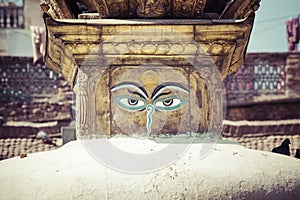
(150, 8)
(149, 78)
(240, 9)
(112, 8)
(188, 8)
(69, 43)
(57, 9)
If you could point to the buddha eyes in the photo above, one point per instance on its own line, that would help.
(168, 103)
(129, 103)
(132, 102)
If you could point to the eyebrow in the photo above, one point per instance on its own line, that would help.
(158, 91)
(141, 91)
(169, 85)
(137, 93)
(161, 94)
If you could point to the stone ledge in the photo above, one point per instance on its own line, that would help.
(260, 128)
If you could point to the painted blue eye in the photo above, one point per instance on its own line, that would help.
(133, 102)
(130, 103)
(169, 103)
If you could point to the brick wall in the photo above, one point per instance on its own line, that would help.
(261, 74)
(265, 110)
(293, 75)
(267, 87)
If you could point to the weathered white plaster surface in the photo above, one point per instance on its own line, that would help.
(230, 171)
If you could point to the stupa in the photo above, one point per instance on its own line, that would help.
(148, 77)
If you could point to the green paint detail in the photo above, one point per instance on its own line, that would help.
(130, 107)
(168, 108)
(150, 110)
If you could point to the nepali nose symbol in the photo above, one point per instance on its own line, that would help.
(136, 98)
(150, 110)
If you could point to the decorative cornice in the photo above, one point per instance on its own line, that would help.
(72, 42)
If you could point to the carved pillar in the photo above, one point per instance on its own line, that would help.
(81, 90)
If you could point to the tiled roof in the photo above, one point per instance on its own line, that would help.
(12, 147)
(263, 135)
(267, 143)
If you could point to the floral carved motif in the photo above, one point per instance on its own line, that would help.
(150, 8)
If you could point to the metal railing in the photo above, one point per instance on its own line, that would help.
(12, 17)
(21, 80)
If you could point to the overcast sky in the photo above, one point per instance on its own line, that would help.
(269, 31)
